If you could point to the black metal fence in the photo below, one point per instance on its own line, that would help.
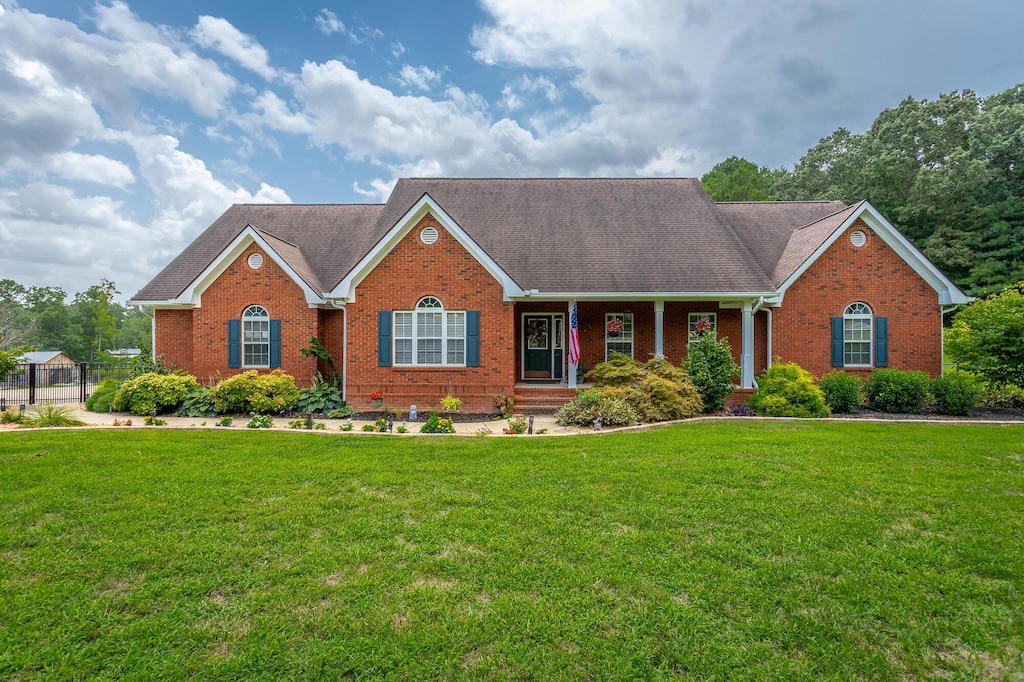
(31, 384)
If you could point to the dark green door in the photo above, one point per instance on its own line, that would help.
(537, 345)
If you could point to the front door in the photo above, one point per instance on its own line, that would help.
(542, 346)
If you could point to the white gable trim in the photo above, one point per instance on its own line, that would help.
(949, 293)
(346, 288)
(193, 293)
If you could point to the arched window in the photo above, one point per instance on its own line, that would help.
(430, 335)
(256, 337)
(857, 335)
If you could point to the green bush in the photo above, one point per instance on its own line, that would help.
(102, 396)
(843, 391)
(1002, 396)
(320, 397)
(596, 403)
(259, 421)
(956, 393)
(436, 424)
(987, 337)
(160, 393)
(343, 412)
(897, 390)
(618, 370)
(50, 415)
(788, 390)
(654, 391)
(254, 392)
(711, 368)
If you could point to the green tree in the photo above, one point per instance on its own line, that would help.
(737, 179)
(94, 315)
(987, 337)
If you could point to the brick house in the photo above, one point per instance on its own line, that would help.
(466, 286)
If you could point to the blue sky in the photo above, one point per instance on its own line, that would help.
(126, 128)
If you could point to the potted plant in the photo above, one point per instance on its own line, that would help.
(377, 397)
(503, 404)
(614, 327)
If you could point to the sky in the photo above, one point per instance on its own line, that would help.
(126, 128)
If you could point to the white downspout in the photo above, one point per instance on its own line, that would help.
(344, 354)
(768, 311)
(942, 338)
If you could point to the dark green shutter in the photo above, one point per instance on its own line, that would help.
(275, 343)
(472, 338)
(234, 343)
(384, 338)
(881, 342)
(837, 342)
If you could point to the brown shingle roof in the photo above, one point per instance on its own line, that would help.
(594, 235)
(552, 234)
(331, 238)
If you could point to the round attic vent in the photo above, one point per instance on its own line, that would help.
(428, 235)
(858, 238)
(255, 261)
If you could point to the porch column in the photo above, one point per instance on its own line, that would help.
(747, 347)
(571, 368)
(659, 329)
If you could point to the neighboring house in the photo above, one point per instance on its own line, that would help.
(52, 368)
(124, 352)
(466, 286)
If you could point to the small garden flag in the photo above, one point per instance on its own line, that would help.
(574, 337)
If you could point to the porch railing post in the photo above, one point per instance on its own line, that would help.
(747, 347)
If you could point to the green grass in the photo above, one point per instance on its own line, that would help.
(720, 550)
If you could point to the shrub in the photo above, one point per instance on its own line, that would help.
(150, 420)
(1002, 396)
(596, 403)
(618, 370)
(259, 421)
(436, 424)
(711, 368)
(226, 421)
(199, 403)
(956, 393)
(654, 391)
(254, 392)
(843, 391)
(153, 392)
(320, 397)
(503, 404)
(11, 417)
(450, 403)
(788, 390)
(663, 398)
(897, 390)
(347, 426)
(742, 411)
(103, 396)
(402, 428)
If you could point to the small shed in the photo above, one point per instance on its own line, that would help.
(53, 367)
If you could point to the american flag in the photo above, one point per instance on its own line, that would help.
(574, 337)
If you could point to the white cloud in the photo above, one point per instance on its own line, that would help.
(419, 77)
(220, 35)
(90, 168)
(514, 95)
(329, 24)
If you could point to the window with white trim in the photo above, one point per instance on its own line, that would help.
(256, 337)
(857, 335)
(695, 319)
(618, 334)
(430, 335)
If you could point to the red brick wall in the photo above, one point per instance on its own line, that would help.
(174, 338)
(227, 298)
(873, 274)
(411, 271)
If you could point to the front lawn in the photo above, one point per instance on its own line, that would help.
(713, 550)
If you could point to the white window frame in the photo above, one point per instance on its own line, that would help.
(255, 336)
(429, 322)
(626, 337)
(858, 319)
(693, 319)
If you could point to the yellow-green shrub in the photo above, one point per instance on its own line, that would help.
(254, 392)
(152, 392)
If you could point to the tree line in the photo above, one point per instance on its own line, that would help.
(85, 329)
(948, 173)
